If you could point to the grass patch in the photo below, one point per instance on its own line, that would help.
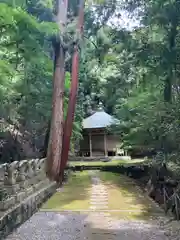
(117, 162)
(125, 195)
(74, 195)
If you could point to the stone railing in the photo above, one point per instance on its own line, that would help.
(23, 188)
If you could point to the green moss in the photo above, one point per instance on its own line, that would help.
(126, 199)
(74, 195)
(117, 162)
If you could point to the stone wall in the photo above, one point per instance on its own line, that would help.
(23, 188)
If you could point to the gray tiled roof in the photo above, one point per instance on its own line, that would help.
(99, 119)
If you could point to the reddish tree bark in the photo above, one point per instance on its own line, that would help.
(72, 97)
(56, 130)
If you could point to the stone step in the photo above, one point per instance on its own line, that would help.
(99, 193)
(99, 202)
(99, 199)
(98, 207)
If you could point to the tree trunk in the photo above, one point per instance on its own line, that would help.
(56, 132)
(72, 97)
(172, 57)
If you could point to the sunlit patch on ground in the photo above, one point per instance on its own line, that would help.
(126, 200)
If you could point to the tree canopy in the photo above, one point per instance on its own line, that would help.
(133, 69)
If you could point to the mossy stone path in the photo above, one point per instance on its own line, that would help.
(103, 191)
(96, 205)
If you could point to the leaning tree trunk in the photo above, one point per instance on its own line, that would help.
(73, 93)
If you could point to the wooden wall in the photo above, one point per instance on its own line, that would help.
(98, 142)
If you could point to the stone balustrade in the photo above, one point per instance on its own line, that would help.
(19, 180)
(23, 188)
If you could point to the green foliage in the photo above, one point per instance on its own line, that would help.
(150, 109)
(134, 73)
(26, 70)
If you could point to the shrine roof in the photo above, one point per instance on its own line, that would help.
(99, 119)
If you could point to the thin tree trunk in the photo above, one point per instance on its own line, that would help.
(72, 97)
(172, 57)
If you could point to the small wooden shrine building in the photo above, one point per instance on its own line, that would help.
(97, 141)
